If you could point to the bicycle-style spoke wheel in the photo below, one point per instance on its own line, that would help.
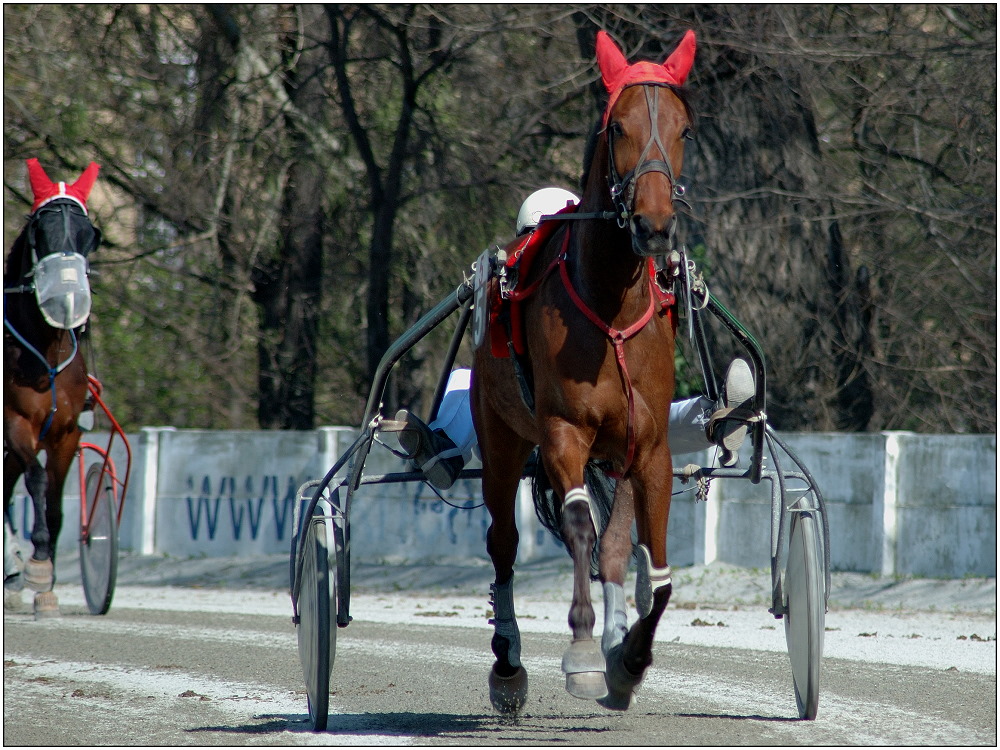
(99, 546)
(805, 619)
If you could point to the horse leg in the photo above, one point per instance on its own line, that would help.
(629, 660)
(38, 571)
(565, 456)
(616, 551)
(502, 466)
(56, 467)
(13, 559)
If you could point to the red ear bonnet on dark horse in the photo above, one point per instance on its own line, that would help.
(45, 190)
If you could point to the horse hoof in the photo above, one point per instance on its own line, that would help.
(38, 575)
(508, 694)
(583, 664)
(588, 686)
(46, 605)
(621, 683)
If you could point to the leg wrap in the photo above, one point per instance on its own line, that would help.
(615, 616)
(580, 494)
(503, 621)
(648, 580)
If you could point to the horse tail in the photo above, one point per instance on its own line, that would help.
(602, 494)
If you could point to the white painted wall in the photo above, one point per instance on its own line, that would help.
(898, 503)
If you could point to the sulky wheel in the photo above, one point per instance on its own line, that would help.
(99, 547)
(317, 606)
(806, 608)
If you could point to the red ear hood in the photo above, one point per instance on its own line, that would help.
(616, 73)
(45, 190)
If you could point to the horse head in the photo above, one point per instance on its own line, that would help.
(645, 124)
(50, 256)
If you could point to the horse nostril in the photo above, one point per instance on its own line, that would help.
(648, 238)
(641, 227)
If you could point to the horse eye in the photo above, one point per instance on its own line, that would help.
(616, 129)
(688, 134)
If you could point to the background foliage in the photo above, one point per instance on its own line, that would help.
(285, 188)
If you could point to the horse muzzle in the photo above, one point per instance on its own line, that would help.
(650, 239)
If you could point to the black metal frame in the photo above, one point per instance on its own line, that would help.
(337, 506)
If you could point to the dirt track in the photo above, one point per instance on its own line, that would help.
(203, 652)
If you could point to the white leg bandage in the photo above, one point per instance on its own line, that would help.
(615, 616)
(13, 562)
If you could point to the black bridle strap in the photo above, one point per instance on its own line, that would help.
(602, 215)
(619, 185)
(623, 187)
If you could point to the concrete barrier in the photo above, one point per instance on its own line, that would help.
(899, 504)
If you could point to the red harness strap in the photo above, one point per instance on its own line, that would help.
(657, 298)
(618, 338)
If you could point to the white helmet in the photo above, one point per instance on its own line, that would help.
(542, 203)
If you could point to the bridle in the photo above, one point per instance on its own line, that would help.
(29, 252)
(622, 187)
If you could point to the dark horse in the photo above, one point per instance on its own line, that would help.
(46, 302)
(600, 354)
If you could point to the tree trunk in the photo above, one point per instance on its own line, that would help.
(288, 297)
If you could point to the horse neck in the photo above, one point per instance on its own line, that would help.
(605, 270)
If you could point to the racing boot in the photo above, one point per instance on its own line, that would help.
(430, 451)
(727, 427)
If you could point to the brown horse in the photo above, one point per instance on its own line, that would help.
(600, 355)
(46, 302)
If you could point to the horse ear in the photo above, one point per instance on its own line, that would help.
(85, 182)
(610, 60)
(41, 185)
(679, 63)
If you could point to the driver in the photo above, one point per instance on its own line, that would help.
(442, 448)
